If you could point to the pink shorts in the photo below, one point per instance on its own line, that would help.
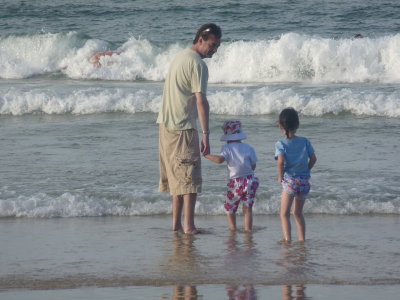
(242, 189)
(296, 186)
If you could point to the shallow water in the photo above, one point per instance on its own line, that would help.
(82, 141)
(106, 164)
(125, 251)
(79, 206)
(248, 292)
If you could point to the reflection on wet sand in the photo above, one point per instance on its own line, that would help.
(234, 245)
(240, 292)
(244, 292)
(185, 292)
(240, 260)
(182, 261)
(293, 259)
(181, 264)
(297, 292)
(184, 250)
(241, 255)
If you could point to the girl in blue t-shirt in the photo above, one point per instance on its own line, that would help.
(296, 157)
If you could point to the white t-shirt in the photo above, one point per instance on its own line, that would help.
(240, 158)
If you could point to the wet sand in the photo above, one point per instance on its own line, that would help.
(139, 257)
(242, 292)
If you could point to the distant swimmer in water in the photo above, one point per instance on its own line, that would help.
(95, 59)
(358, 36)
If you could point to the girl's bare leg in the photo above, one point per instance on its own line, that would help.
(231, 221)
(286, 204)
(248, 218)
(299, 218)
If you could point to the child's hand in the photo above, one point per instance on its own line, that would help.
(218, 159)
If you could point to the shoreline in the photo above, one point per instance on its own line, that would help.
(101, 253)
(213, 291)
(59, 284)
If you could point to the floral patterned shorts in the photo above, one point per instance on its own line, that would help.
(241, 189)
(296, 186)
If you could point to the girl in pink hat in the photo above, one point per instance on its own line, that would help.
(241, 161)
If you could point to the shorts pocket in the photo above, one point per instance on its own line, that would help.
(188, 168)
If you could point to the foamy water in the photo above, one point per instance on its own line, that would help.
(80, 141)
(289, 58)
(359, 100)
(105, 165)
(79, 205)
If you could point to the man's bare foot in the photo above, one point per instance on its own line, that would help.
(192, 231)
(177, 228)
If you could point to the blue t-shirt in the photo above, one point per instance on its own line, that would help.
(296, 152)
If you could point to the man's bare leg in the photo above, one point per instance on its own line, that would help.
(189, 201)
(177, 204)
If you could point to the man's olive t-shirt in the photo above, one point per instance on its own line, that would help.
(188, 74)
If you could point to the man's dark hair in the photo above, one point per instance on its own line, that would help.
(206, 30)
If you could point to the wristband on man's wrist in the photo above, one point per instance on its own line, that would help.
(205, 131)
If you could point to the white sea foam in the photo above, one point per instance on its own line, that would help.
(290, 58)
(298, 58)
(232, 101)
(80, 101)
(69, 205)
(28, 55)
(135, 60)
(150, 202)
(267, 101)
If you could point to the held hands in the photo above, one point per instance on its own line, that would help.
(218, 159)
(205, 145)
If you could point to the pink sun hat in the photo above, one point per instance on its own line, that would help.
(232, 131)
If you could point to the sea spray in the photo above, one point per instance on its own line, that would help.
(238, 100)
(137, 203)
(23, 56)
(290, 58)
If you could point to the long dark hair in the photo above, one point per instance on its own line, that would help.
(289, 120)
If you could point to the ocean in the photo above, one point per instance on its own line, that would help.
(79, 143)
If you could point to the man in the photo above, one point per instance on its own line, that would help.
(184, 100)
(95, 59)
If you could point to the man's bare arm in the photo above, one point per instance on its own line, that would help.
(203, 110)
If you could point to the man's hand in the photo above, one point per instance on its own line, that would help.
(203, 110)
(205, 145)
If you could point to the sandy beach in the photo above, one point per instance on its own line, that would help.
(247, 292)
(139, 257)
(80, 213)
